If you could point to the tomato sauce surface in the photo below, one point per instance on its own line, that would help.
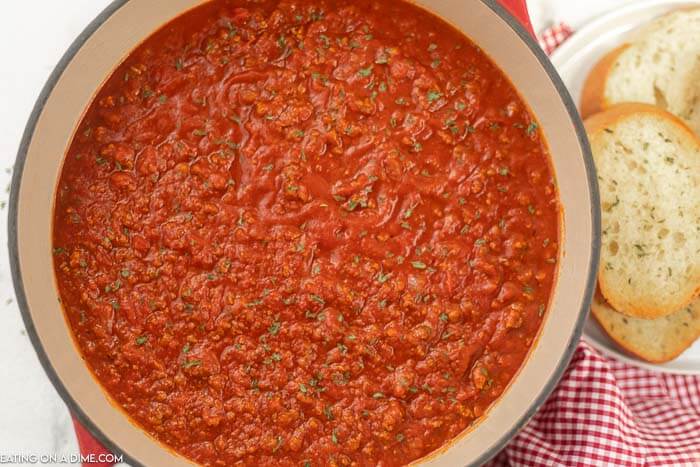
(306, 233)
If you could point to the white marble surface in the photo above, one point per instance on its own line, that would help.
(33, 36)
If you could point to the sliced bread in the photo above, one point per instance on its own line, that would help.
(661, 66)
(654, 340)
(648, 165)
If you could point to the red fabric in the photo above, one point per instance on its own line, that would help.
(518, 9)
(89, 445)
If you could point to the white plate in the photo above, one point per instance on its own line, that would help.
(574, 59)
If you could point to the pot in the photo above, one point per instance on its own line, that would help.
(118, 30)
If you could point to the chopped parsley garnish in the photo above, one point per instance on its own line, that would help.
(365, 72)
(280, 442)
(382, 278)
(433, 96)
(141, 340)
(531, 128)
(318, 299)
(419, 265)
(191, 363)
(274, 328)
(352, 204)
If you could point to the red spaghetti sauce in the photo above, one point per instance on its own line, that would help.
(306, 233)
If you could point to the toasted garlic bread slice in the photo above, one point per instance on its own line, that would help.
(654, 340)
(648, 165)
(661, 66)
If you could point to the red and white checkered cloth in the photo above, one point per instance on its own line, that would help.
(552, 37)
(607, 413)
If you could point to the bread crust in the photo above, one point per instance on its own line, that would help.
(617, 112)
(599, 305)
(594, 126)
(593, 95)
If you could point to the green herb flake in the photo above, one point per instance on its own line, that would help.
(444, 318)
(317, 299)
(531, 128)
(280, 442)
(433, 96)
(382, 278)
(419, 265)
(191, 363)
(328, 412)
(365, 72)
(352, 205)
(141, 340)
(274, 328)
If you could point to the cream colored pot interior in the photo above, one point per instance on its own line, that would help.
(124, 30)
